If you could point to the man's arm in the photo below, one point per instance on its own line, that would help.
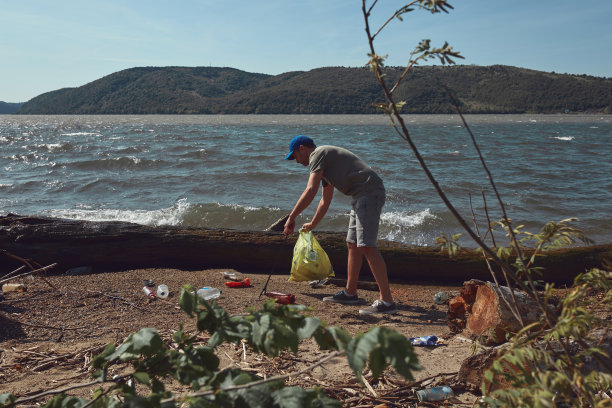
(326, 199)
(305, 199)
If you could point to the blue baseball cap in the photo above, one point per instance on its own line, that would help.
(297, 142)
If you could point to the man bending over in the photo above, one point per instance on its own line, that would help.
(331, 167)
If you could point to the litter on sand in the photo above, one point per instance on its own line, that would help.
(426, 341)
(317, 283)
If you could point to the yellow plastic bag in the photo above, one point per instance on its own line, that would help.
(310, 262)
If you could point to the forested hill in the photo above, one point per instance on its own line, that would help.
(333, 90)
(7, 107)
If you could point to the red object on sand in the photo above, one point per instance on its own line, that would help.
(245, 283)
(282, 298)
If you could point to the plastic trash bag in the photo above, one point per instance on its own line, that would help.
(310, 262)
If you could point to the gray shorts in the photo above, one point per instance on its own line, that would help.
(364, 219)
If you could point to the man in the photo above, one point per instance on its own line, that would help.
(335, 167)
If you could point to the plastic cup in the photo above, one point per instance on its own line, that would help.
(162, 291)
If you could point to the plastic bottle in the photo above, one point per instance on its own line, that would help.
(424, 341)
(440, 298)
(435, 394)
(207, 293)
(233, 276)
(14, 287)
(162, 291)
(147, 290)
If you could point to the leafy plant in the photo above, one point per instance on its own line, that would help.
(542, 367)
(269, 331)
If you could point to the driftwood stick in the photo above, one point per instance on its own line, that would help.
(278, 225)
(13, 272)
(25, 261)
(43, 269)
(255, 383)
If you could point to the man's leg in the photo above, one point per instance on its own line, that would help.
(379, 270)
(355, 260)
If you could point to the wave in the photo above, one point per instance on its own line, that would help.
(56, 147)
(82, 134)
(408, 228)
(564, 137)
(395, 226)
(118, 163)
(166, 216)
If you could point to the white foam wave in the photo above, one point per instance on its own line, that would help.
(404, 219)
(405, 227)
(82, 134)
(235, 207)
(165, 216)
(564, 137)
(51, 147)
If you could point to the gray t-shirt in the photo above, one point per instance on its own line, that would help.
(345, 171)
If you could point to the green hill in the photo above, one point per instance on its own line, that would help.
(332, 90)
(9, 107)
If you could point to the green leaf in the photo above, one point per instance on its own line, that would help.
(141, 377)
(187, 300)
(147, 342)
(332, 338)
(310, 325)
(7, 399)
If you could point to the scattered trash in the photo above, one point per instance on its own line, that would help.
(282, 298)
(233, 276)
(207, 293)
(14, 287)
(147, 290)
(162, 291)
(426, 341)
(435, 394)
(80, 270)
(149, 283)
(440, 298)
(317, 283)
(245, 283)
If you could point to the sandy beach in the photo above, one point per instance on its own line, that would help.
(50, 332)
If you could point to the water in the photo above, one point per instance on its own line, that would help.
(228, 171)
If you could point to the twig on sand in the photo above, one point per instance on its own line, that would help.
(116, 297)
(43, 269)
(42, 326)
(25, 261)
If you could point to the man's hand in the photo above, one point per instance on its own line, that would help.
(289, 226)
(309, 226)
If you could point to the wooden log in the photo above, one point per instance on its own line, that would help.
(481, 309)
(122, 245)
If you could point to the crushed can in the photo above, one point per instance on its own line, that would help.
(282, 298)
(149, 292)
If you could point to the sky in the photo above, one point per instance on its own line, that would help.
(47, 45)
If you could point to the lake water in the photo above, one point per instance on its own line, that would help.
(228, 171)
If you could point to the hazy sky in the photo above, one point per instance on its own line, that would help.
(46, 45)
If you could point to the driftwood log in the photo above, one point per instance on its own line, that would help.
(122, 245)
